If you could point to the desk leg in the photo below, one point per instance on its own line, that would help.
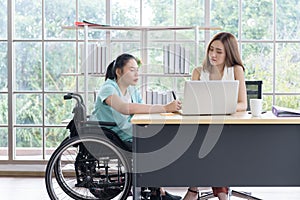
(136, 190)
(136, 193)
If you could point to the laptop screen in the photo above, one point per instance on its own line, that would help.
(210, 97)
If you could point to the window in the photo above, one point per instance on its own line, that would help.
(3, 82)
(268, 38)
(43, 51)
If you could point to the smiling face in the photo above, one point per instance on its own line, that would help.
(129, 73)
(217, 54)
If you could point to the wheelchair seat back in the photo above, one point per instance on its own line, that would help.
(80, 123)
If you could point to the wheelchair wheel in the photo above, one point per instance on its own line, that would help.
(88, 168)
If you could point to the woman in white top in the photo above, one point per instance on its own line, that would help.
(222, 62)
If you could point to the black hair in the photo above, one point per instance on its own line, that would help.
(118, 63)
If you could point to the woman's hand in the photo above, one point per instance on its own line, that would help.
(173, 106)
(137, 108)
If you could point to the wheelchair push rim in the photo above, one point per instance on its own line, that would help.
(80, 181)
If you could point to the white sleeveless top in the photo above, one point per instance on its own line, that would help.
(227, 75)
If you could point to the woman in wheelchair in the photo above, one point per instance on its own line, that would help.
(118, 100)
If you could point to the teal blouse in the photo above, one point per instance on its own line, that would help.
(104, 112)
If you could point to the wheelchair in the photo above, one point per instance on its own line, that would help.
(91, 163)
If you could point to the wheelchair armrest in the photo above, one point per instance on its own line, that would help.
(101, 123)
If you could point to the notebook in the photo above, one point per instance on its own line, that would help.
(210, 97)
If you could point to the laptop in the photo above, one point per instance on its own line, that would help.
(216, 97)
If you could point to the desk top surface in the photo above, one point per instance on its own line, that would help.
(237, 118)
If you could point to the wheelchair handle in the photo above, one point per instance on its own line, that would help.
(67, 96)
(78, 95)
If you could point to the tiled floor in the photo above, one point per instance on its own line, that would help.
(22, 188)
(34, 189)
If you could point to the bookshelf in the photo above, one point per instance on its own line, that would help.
(86, 27)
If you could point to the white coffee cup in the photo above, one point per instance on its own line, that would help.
(256, 107)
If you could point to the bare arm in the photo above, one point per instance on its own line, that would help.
(137, 108)
(242, 97)
(196, 73)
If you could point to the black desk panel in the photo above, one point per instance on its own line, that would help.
(244, 155)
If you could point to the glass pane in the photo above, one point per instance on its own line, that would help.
(287, 67)
(168, 35)
(161, 35)
(54, 136)
(125, 13)
(28, 19)
(224, 14)
(57, 14)
(92, 11)
(267, 102)
(128, 47)
(3, 144)
(290, 101)
(189, 35)
(155, 58)
(258, 61)
(190, 13)
(200, 57)
(60, 58)
(3, 19)
(93, 83)
(257, 19)
(287, 19)
(95, 12)
(160, 13)
(28, 66)
(28, 143)
(126, 35)
(28, 109)
(3, 109)
(3, 66)
(57, 109)
(94, 34)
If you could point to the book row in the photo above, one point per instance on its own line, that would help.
(157, 97)
(176, 59)
(96, 60)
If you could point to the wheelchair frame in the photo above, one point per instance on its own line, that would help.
(88, 164)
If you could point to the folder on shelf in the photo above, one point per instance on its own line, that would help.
(166, 57)
(285, 112)
(182, 58)
(177, 55)
(149, 97)
(172, 54)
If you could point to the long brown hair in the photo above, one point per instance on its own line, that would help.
(231, 51)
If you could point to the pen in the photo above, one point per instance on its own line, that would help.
(174, 96)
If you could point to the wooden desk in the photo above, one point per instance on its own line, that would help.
(233, 150)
